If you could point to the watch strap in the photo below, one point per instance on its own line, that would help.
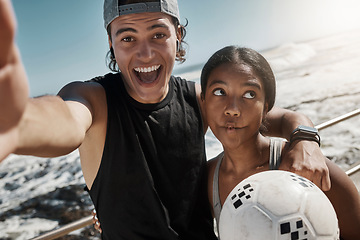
(305, 133)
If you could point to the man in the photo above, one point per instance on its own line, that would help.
(139, 131)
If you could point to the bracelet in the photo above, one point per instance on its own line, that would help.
(305, 133)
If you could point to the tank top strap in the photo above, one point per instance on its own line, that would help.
(275, 153)
(216, 195)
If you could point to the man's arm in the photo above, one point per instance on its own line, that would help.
(46, 126)
(302, 157)
(49, 126)
(52, 127)
(282, 122)
(13, 82)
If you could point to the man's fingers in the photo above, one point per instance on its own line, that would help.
(7, 30)
(325, 183)
(319, 178)
(316, 178)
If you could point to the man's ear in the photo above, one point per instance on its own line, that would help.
(179, 33)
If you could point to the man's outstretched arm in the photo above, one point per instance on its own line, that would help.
(45, 126)
(14, 88)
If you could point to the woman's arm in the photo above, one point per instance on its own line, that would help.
(346, 200)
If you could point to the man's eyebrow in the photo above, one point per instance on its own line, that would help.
(158, 26)
(121, 30)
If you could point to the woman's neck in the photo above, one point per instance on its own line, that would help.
(238, 164)
(248, 158)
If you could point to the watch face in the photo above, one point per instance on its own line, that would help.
(307, 129)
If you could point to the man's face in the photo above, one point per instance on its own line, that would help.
(145, 48)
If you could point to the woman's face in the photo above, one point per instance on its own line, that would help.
(234, 104)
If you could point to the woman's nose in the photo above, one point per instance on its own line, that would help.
(232, 108)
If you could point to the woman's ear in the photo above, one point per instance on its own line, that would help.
(109, 39)
(266, 110)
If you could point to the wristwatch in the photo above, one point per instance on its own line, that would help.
(305, 133)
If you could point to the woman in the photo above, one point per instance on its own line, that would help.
(238, 90)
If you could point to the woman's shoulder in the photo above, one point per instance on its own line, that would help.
(211, 166)
(213, 162)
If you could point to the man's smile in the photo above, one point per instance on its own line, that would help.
(147, 69)
(147, 74)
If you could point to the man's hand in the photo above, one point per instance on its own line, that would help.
(14, 88)
(306, 159)
(7, 31)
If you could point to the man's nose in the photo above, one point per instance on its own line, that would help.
(145, 51)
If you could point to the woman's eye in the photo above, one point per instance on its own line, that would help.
(250, 95)
(159, 36)
(127, 39)
(219, 92)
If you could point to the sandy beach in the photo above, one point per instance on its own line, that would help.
(320, 78)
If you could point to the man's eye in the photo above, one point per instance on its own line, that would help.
(219, 92)
(250, 95)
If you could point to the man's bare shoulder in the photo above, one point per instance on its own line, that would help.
(79, 89)
(90, 94)
(93, 96)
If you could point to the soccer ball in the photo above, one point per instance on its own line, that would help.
(277, 205)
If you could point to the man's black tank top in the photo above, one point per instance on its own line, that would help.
(152, 179)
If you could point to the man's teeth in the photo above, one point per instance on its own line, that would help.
(147, 69)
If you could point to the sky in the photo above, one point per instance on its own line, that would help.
(65, 41)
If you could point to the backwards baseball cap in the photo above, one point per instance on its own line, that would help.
(116, 8)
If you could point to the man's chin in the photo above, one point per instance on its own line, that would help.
(152, 95)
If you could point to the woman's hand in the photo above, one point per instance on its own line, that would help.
(96, 222)
(306, 159)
